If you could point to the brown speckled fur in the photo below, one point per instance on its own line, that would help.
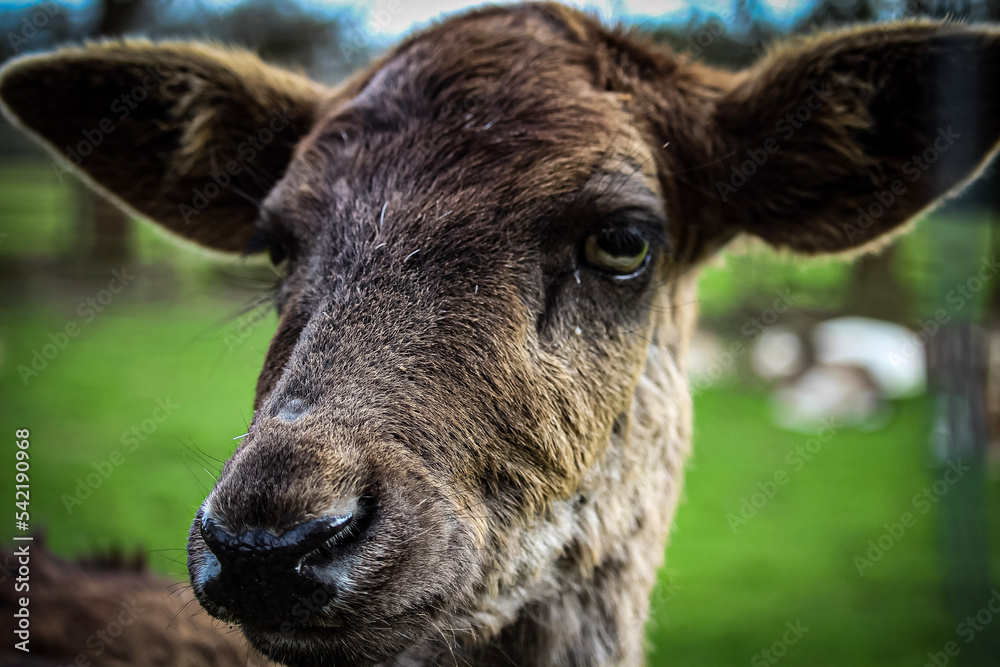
(520, 420)
(113, 612)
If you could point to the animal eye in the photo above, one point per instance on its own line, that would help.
(277, 249)
(279, 260)
(621, 251)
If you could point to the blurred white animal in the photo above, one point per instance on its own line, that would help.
(857, 363)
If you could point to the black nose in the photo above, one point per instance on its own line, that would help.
(262, 575)
(263, 547)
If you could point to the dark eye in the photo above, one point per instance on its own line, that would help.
(279, 260)
(278, 249)
(617, 250)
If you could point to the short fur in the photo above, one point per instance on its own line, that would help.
(112, 611)
(515, 421)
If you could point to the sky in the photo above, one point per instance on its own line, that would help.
(415, 13)
(391, 18)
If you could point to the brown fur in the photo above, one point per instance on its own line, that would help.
(112, 611)
(514, 421)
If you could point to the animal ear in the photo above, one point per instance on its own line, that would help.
(834, 140)
(190, 136)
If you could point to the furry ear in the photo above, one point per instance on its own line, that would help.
(188, 135)
(834, 140)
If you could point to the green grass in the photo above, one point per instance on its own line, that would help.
(106, 381)
(726, 595)
(33, 210)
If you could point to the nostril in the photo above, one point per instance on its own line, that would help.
(216, 538)
(311, 535)
(264, 547)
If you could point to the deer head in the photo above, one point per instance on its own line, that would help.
(470, 427)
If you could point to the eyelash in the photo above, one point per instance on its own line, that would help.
(649, 230)
(266, 239)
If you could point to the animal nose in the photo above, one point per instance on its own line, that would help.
(264, 548)
(261, 574)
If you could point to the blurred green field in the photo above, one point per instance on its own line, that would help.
(724, 596)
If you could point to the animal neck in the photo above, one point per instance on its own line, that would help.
(596, 624)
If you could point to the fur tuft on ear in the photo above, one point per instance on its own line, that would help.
(834, 140)
(188, 135)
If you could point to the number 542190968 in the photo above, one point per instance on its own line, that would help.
(21, 489)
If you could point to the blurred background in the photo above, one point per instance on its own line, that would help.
(846, 476)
